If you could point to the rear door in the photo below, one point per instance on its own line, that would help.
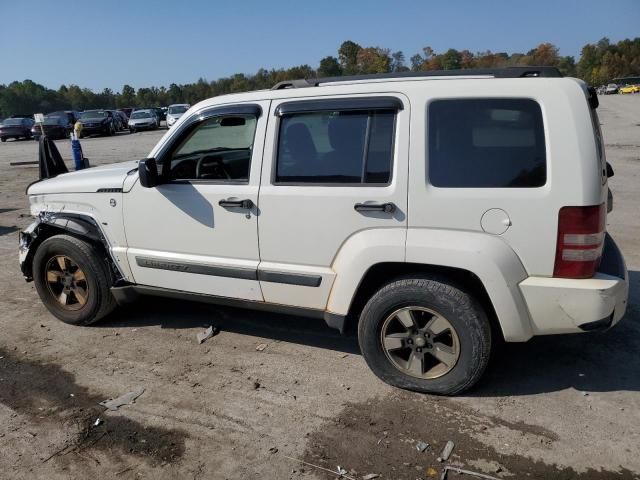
(333, 167)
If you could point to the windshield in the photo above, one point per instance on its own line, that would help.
(94, 114)
(178, 109)
(13, 121)
(140, 115)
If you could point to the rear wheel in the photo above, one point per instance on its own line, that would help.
(425, 334)
(3, 139)
(72, 280)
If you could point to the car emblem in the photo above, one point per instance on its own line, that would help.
(112, 202)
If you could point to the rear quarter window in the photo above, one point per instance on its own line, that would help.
(486, 143)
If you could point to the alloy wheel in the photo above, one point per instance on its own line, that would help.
(66, 282)
(420, 342)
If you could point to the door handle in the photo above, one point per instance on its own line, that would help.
(375, 207)
(247, 203)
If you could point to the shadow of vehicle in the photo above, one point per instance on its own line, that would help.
(595, 362)
(178, 314)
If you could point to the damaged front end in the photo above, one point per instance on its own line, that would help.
(48, 224)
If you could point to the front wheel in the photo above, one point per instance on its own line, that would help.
(425, 334)
(72, 280)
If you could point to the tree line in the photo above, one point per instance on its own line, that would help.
(598, 64)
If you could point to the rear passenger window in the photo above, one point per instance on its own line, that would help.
(486, 143)
(336, 147)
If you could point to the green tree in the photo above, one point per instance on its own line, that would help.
(329, 67)
(348, 56)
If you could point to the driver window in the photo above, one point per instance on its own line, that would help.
(218, 148)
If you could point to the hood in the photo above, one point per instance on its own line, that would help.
(93, 119)
(85, 181)
(175, 115)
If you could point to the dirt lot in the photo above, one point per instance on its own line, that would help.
(565, 407)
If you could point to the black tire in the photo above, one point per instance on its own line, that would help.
(132, 130)
(461, 311)
(3, 139)
(99, 300)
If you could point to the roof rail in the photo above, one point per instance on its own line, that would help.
(507, 72)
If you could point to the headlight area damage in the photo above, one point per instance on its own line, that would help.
(48, 224)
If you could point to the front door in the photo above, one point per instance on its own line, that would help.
(197, 231)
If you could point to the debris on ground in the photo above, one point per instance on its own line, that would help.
(466, 472)
(126, 399)
(446, 451)
(422, 446)
(370, 476)
(98, 422)
(273, 450)
(256, 385)
(261, 347)
(431, 472)
(341, 472)
(208, 333)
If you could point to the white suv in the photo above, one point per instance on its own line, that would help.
(441, 211)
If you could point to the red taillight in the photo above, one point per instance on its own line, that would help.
(581, 232)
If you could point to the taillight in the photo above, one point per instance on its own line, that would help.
(581, 232)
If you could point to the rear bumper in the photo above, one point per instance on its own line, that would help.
(560, 305)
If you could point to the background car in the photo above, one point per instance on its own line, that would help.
(56, 126)
(175, 111)
(629, 89)
(143, 120)
(611, 89)
(127, 111)
(16, 128)
(123, 120)
(100, 122)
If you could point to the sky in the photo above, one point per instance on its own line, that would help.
(144, 43)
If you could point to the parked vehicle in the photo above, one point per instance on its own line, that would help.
(126, 111)
(611, 89)
(629, 89)
(101, 122)
(122, 119)
(175, 111)
(57, 125)
(16, 127)
(143, 120)
(441, 215)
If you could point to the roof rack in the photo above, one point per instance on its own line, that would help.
(508, 72)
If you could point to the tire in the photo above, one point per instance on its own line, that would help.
(132, 130)
(427, 297)
(3, 139)
(98, 300)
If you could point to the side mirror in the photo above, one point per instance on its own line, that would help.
(148, 172)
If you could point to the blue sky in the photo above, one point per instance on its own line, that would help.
(146, 43)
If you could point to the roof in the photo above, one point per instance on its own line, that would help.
(508, 72)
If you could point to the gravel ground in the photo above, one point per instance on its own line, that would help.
(563, 407)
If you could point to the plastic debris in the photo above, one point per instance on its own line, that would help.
(98, 422)
(208, 333)
(370, 476)
(261, 347)
(466, 472)
(126, 399)
(431, 472)
(341, 471)
(422, 446)
(446, 451)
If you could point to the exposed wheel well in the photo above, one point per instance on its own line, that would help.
(46, 230)
(383, 273)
